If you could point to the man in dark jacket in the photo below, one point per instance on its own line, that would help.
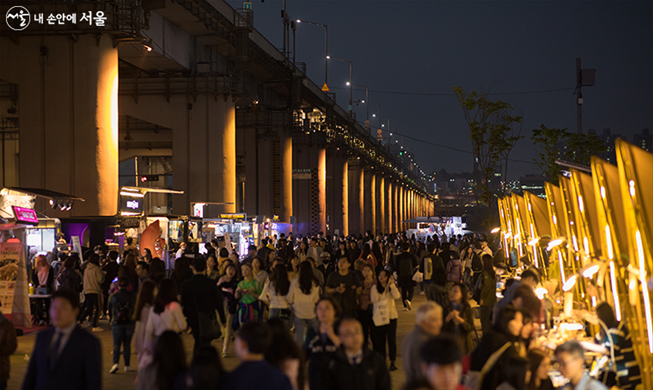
(8, 345)
(405, 265)
(200, 298)
(65, 357)
(353, 367)
(110, 270)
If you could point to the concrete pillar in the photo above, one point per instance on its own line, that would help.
(395, 208)
(336, 175)
(401, 207)
(204, 145)
(355, 197)
(285, 141)
(380, 203)
(390, 207)
(68, 113)
(370, 201)
(309, 183)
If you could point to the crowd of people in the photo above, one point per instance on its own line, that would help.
(314, 313)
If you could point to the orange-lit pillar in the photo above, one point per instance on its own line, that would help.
(345, 199)
(395, 208)
(381, 196)
(402, 214)
(286, 176)
(390, 208)
(68, 113)
(355, 196)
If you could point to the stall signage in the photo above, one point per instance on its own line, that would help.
(131, 222)
(25, 216)
(131, 205)
(234, 216)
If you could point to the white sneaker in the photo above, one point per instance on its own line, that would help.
(421, 293)
(409, 305)
(97, 329)
(129, 369)
(85, 325)
(114, 369)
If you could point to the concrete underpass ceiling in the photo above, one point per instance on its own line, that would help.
(135, 54)
(141, 138)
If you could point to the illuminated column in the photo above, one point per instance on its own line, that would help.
(370, 201)
(395, 208)
(402, 216)
(337, 184)
(355, 197)
(361, 199)
(309, 183)
(286, 176)
(68, 113)
(380, 206)
(390, 207)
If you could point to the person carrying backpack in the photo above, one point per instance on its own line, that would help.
(435, 277)
(121, 308)
(454, 270)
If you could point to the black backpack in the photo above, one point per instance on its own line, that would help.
(123, 313)
(477, 264)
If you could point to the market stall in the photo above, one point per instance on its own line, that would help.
(592, 243)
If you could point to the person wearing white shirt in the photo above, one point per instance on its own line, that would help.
(166, 314)
(274, 294)
(303, 296)
(385, 291)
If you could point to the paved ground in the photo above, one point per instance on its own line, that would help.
(125, 380)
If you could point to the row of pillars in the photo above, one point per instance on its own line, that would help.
(351, 195)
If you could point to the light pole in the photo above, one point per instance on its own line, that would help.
(367, 99)
(326, 46)
(349, 83)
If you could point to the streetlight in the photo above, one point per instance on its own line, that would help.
(348, 83)
(367, 98)
(326, 45)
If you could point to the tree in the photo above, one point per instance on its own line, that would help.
(579, 149)
(550, 141)
(494, 132)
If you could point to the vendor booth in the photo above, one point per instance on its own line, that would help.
(592, 243)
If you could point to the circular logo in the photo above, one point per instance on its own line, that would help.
(18, 18)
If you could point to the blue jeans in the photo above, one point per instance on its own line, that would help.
(301, 326)
(122, 335)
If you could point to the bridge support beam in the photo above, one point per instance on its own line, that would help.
(370, 200)
(356, 199)
(337, 190)
(309, 183)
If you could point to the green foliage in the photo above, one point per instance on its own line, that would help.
(550, 140)
(494, 131)
(579, 149)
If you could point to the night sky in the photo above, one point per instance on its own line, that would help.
(427, 47)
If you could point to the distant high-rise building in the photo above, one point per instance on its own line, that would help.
(644, 140)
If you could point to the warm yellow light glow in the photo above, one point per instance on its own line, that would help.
(593, 301)
(586, 245)
(495, 230)
(632, 187)
(132, 194)
(562, 267)
(532, 230)
(534, 241)
(540, 292)
(572, 326)
(615, 292)
(521, 252)
(642, 279)
(535, 255)
(573, 240)
(569, 284)
(554, 243)
(590, 271)
(608, 240)
(602, 192)
(555, 220)
(580, 204)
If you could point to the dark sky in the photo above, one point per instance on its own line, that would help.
(501, 46)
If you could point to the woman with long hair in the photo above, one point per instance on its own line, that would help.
(260, 274)
(303, 295)
(42, 277)
(274, 294)
(496, 346)
(293, 267)
(168, 362)
(223, 255)
(144, 302)
(247, 292)
(212, 271)
(70, 278)
(342, 250)
(228, 284)
(386, 291)
(364, 300)
(321, 339)
(488, 293)
(205, 372)
(459, 318)
(302, 251)
(540, 364)
(628, 371)
(166, 314)
(524, 339)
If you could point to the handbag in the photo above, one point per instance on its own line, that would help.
(208, 325)
(381, 314)
(418, 277)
